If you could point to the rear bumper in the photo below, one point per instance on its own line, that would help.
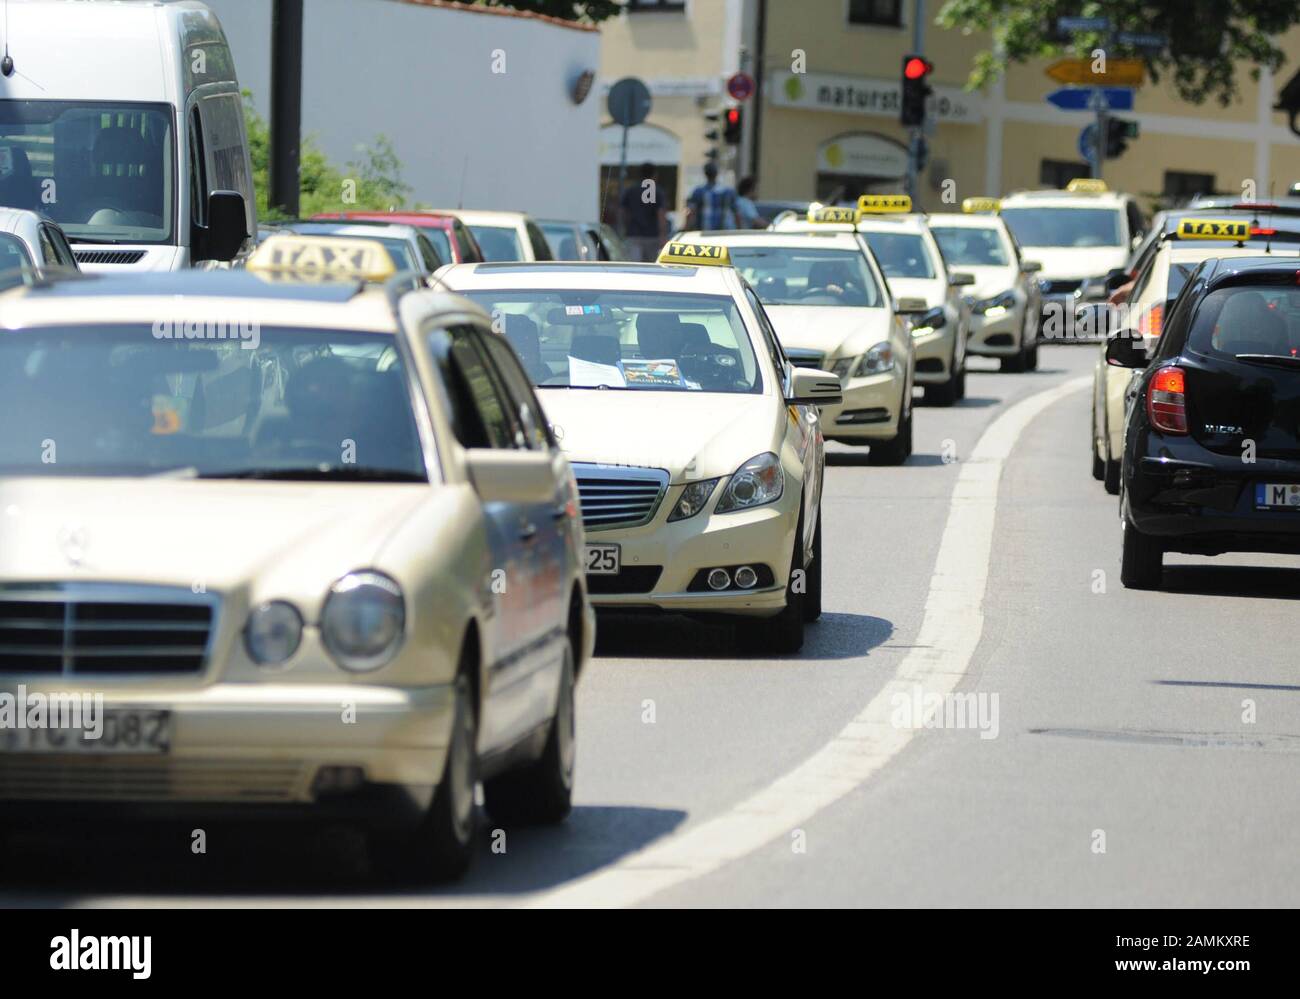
(1203, 503)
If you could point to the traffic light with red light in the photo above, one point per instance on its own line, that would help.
(916, 88)
(734, 124)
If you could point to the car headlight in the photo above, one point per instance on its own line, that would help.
(930, 321)
(876, 361)
(273, 633)
(758, 481)
(363, 621)
(997, 306)
(693, 499)
(841, 368)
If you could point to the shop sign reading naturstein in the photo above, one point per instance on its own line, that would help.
(860, 95)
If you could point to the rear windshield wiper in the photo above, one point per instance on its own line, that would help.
(1277, 360)
(345, 473)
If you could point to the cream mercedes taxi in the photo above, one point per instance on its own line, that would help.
(696, 443)
(1004, 298)
(832, 310)
(1180, 251)
(910, 259)
(299, 545)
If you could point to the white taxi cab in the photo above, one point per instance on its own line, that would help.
(1157, 285)
(505, 235)
(832, 310)
(31, 244)
(1081, 236)
(1004, 298)
(696, 443)
(331, 569)
(911, 261)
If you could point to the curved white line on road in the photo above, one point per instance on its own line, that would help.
(940, 657)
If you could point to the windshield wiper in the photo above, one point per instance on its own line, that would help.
(97, 242)
(1277, 360)
(329, 473)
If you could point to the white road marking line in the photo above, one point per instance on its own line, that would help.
(949, 634)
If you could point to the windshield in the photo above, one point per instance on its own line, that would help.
(103, 171)
(626, 340)
(562, 240)
(498, 242)
(441, 242)
(1069, 227)
(786, 275)
(971, 247)
(900, 254)
(1251, 319)
(15, 264)
(248, 401)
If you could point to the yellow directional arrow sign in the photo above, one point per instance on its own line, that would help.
(1119, 72)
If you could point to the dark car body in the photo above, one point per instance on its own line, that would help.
(1208, 489)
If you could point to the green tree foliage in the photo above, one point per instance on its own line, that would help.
(374, 178)
(586, 11)
(1209, 40)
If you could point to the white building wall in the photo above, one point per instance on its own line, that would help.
(423, 76)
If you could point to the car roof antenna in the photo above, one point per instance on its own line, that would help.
(460, 198)
(7, 63)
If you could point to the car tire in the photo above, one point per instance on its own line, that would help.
(1143, 559)
(1013, 364)
(1031, 356)
(960, 386)
(541, 793)
(812, 598)
(942, 395)
(1098, 463)
(1110, 478)
(897, 450)
(441, 847)
(783, 633)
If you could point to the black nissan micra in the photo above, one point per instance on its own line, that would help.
(1212, 436)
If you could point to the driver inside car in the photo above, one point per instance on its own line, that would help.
(319, 416)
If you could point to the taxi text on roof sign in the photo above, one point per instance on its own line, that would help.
(694, 253)
(872, 204)
(972, 206)
(1213, 229)
(310, 256)
(833, 214)
(1087, 185)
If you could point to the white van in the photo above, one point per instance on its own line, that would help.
(123, 122)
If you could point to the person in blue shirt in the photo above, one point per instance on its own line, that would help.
(710, 205)
(746, 211)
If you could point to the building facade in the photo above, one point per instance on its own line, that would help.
(824, 119)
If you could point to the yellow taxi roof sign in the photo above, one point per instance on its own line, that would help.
(832, 213)
(1087, 185)
(875, 204)
(973, 206)
(1213, 229)
(697, 254)
(286, 254)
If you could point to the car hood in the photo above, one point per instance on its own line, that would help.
(989, 281)
(932, 290)
(1076, 262)
(693, 435)
(218, 534)
(834, 331)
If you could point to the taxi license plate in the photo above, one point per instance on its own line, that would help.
(125, 731)
(1277, 496)
(603, 560)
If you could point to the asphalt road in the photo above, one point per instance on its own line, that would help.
(1144, 752)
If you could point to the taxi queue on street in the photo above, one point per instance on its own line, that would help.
(359, 497)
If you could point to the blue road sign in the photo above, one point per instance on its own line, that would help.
(1072, 24)
(1088, 143)
(1080, 98)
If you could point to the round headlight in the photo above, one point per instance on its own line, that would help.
(273, 633)
(363, 621)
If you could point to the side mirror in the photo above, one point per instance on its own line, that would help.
(810, 387)
(1031, 266)
(512, 476)
(960, 279)
(227, 229)
(910, 306)
(1115, 278)
(931, 319)
(1125, 349)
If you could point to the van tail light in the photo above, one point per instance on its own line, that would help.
(1153, 321)
(1167, 400)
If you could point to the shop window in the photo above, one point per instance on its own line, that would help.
(886, 13)
(1058, 173)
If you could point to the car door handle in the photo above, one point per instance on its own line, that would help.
(527, 532)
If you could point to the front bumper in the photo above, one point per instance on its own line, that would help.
(1203, 503)
(241, 750)
(934, 353)
(871, 409)
(763, 536)
(999, 336)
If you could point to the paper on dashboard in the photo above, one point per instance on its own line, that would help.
(589, 374)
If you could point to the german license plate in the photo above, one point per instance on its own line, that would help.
(1276, 496)
(603, 560)
(121, 731)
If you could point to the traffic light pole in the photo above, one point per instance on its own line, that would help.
(1100, 138)
(914, 145)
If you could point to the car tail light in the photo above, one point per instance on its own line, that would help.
(1257, 231)
(1153, 321)
(1167, 400)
